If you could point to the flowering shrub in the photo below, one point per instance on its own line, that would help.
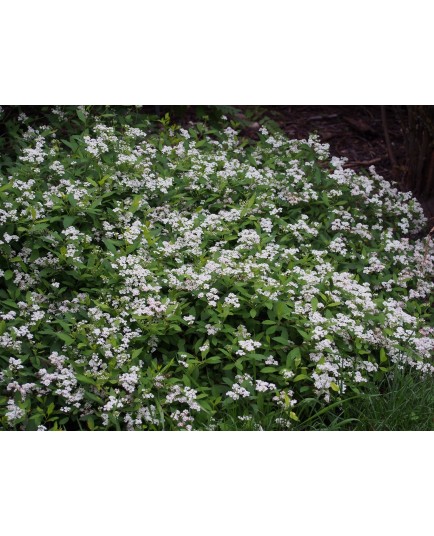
(174, 279)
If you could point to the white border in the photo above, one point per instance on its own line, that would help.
(216, 53)
(213, 483)
(180, 52)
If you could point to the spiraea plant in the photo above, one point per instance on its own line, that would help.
(165, 278)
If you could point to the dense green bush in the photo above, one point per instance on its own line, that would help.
(163, 278)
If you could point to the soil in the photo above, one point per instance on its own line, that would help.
(356, 132)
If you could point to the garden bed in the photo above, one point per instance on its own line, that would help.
(157, 277)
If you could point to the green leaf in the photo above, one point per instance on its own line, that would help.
(50, 409)
(295, 352)
(258, 357)
(84, 379)
(292, 356)
(68, 221)
(66, 338)
(266, 370)
(92, 396)
(81, 116)
(136, 353)
(280, 310)
(109, 244)
(301, 377)
(213, 360)
(314, 304)
(303, 334)
(186, 380)
(63, 324)
(69, 144)
(8, 275)
(383, 357)
(334, 386)
(72, 200)
(6, 187)
(281, 340)
(136, 203)
(251, 201)
(239, 363)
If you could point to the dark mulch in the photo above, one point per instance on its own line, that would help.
(352, 131)
(356, 132)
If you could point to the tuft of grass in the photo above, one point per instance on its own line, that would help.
(403, 401)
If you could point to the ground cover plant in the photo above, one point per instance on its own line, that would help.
(154, 277)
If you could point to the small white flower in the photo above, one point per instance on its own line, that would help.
(205, 347)
(271, 361)
(189, 319)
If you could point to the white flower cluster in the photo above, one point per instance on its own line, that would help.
(262, 386)
(237, 391)
(14, 412)
(232, 300)
(248, 345)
